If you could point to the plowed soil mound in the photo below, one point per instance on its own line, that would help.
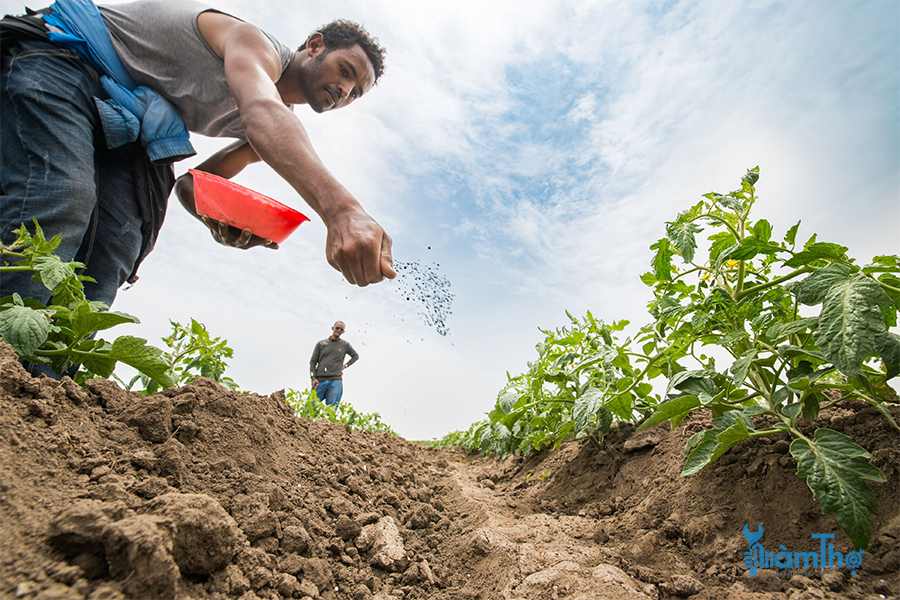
(199, 492)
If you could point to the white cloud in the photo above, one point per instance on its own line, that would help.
(538, 148)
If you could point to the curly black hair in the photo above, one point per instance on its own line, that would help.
(342, 33)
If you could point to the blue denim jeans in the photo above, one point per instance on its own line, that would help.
(330, 391)
(52, 168)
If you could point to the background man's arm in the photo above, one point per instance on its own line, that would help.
(356, 245)
(353, 356)
(313, 363)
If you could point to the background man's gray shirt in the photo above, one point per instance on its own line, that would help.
(327, 360)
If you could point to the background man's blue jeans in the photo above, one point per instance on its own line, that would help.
(330, 391)
(50, 166)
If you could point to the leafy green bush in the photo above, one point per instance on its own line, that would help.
(308, 406)
(743, 299)
(194, 353)
(61, 335)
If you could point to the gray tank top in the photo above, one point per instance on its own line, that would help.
(160, 45)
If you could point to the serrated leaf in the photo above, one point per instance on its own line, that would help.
(720, 242)
(699, 320)
(834, 471)
(814, 289)
(751, 246)
(52, 270)
(604, 419)
(890, 260)
(888, 346)
(99, 364)
(682, 236)
(85, 320)
(671, 409)
(791, 236)
(817, 251)
(850, 321)
(649, 278)
(763, 230)
(737, 432)
(734, 336)
(730, 202)
(24, 328)
(751, 177)
(701, 454)
(741, 367)
(134, 352)
(507, 400)
(586, 406)
(662, 260)
(778, 330)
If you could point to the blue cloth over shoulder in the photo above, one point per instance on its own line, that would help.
(132, 111)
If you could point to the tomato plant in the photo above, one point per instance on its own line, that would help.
(193, 353)
(761, 332)
(63, 333)
(308, 406)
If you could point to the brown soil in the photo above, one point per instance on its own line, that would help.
(199, 492)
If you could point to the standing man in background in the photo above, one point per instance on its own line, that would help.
(326, 367)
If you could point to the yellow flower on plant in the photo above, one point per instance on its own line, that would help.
(732, 263)
(706, 276)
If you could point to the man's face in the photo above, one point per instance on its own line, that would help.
(333, 79)
(337, 330)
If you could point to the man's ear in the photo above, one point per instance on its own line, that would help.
(315, 44)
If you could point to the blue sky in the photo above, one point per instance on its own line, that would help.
(534, 150)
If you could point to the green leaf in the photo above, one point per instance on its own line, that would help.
(662, 260)
(682, 235)
(792, 410)
(586, 406)
(507, 400)
(890, 260)
(24, 328)
(135, 352)
(888, 346)
(834, 471)
(741, 366)
(817, 251)
(729, 437)
(751, 177)
(99, 361)
(84, 320)
(850, 322)
(778, 330)
(734, 336)
(728, 430)
(671, 409)
(697, 382)
(763, 230)
(751, 246)
(730, 202)
(720, 242)
(52, 270)
(791, 236)
(814, 288)
(701, 454)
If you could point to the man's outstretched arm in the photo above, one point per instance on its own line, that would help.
(227, 163)
(356, 245)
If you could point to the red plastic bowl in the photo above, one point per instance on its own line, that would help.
(220, 199)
